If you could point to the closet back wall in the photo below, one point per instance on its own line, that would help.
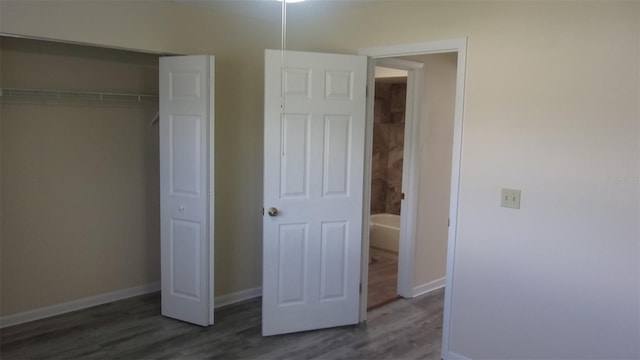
(79, 179)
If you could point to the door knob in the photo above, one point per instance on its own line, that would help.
(273, 212)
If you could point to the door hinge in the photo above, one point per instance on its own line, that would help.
(366, 91)
(448, 222)
(360, 288)
(402, 196)
(262, 211)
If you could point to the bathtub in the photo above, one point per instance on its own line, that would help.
(384, 232)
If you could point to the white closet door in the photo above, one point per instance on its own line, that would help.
(186, 187)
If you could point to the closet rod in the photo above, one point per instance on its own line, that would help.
(77, 95)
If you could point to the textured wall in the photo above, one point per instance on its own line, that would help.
(388, 147)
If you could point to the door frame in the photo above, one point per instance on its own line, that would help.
(410, 165)
(458, 46)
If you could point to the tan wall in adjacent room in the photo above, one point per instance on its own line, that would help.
(436, 144)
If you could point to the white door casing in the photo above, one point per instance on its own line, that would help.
(458, 46)
(186, 187)
(313, 175)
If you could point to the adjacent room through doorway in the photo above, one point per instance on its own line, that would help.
(386, 184)
(431, 104)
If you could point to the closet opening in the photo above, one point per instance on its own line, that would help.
(79, 177)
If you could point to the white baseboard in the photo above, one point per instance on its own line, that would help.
(454, 356)
(238, 296)
(80, 304)
(74, 305)
(429, 287)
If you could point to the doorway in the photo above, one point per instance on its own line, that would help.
(411, 253)
(410, 175)
(390, 103)
(80, 160)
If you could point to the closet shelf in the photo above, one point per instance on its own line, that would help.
(77, 95)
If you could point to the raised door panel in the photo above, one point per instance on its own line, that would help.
(337, 153)
(295, 150)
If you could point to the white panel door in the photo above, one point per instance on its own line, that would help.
(313, 176)
(186, 187)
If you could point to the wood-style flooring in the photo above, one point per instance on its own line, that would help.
(383, 280)
(134, 329)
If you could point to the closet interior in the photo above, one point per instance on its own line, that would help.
(79, 180)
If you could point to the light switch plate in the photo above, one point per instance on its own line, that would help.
(510, 198)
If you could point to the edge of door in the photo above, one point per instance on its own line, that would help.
(211, 194)
(366, 189)
(410, 182)
(458, 45)
(411, 175)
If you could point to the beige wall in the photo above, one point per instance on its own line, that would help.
(551, 108)
(238, 45)
(155, 26)
(80, 209)
(436, 143)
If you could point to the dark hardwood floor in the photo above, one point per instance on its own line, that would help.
(134, 329)
(383, 280)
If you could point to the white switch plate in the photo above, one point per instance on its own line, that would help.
(510, 198)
